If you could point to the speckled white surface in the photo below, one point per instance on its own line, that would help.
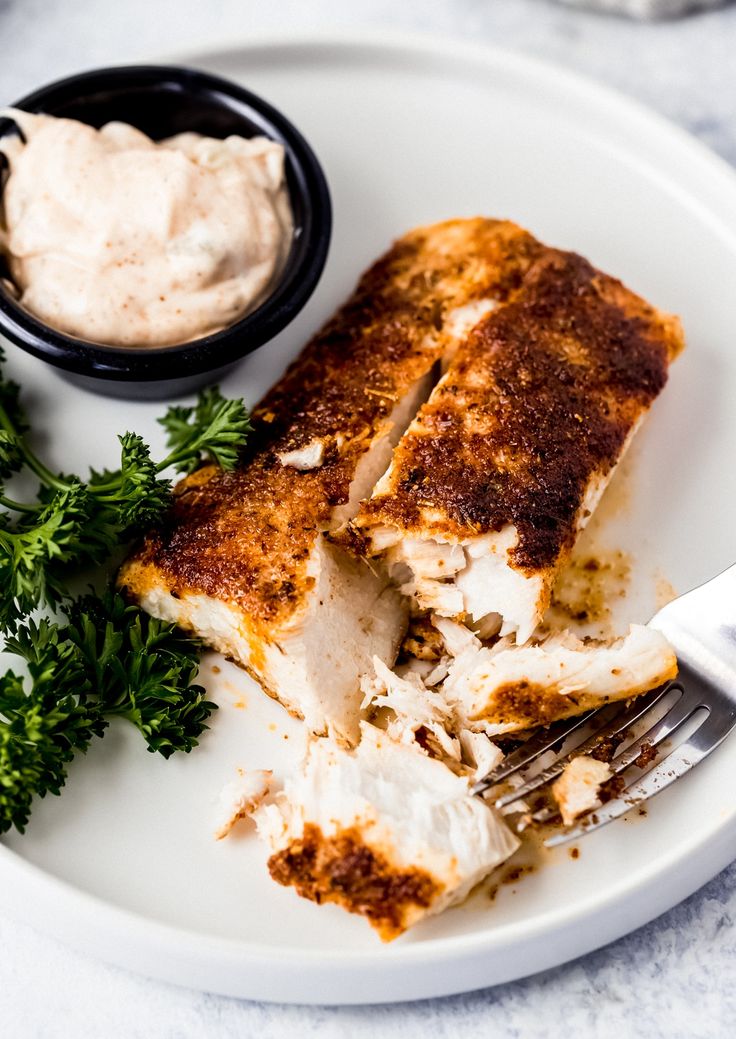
(677, 976)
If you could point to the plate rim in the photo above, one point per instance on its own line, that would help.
(56, 906)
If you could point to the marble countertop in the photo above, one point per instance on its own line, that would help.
(674, 977)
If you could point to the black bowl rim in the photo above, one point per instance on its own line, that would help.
(230, 344)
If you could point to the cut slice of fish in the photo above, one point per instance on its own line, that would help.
(244, 559)
(383, 830)
(501, 468)
(506, 688)
(323, 636)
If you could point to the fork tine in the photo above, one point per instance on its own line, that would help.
(627, 717)
(657, 778)
(535, 746)
(678, 714)
(666, 726)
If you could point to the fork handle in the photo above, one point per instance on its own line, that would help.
(701, 626)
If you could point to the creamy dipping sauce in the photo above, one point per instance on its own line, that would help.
(116, 239)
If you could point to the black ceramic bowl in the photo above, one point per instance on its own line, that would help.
(162, 101)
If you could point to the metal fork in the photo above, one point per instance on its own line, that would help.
(699, 712)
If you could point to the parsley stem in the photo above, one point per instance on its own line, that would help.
(182, 455)
(34, 464)
(5, 422)
(18, 506)
(106, 492)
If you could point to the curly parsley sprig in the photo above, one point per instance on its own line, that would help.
(106, 659)
(98, 657)
(73, 523)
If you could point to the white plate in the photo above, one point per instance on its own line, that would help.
(412, 131)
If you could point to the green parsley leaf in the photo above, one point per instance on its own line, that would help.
(215, 428)
(108, 660)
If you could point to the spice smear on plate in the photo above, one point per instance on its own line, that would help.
(117, 239)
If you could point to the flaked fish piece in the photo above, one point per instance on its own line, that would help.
(479, 752)
(506, 688)
(579, 787)
(244, 560)
(240, 797)
(417, 712)
(383, 830)
(415, 708)
(502, 467)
